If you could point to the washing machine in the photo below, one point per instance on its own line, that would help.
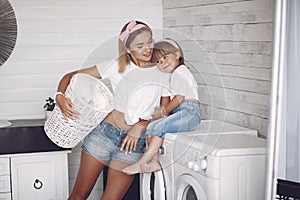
(161, 185)
(231, 168)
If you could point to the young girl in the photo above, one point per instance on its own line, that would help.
(181, 114)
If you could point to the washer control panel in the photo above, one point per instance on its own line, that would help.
(191, 158)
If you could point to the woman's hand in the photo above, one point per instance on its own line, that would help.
(66, 107)
(131, 139)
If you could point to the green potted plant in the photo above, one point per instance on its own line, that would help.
(49, 106)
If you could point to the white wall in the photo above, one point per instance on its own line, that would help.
(55, 37)
(237, 34)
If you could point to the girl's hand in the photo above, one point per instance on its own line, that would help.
(132, 137)
(157, 113)
(66, 107)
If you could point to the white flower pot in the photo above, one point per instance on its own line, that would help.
(48, 114)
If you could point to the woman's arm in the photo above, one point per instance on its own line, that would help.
(174, 103)
(164, 101)
(130, 141)
(65, 104)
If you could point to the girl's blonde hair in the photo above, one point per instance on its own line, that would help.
(124, 57)
(164, 47)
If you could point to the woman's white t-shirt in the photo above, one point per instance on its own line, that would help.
(137, 90)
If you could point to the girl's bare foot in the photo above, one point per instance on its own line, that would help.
(150, 167)
(133, 169)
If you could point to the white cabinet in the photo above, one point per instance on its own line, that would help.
(5, 196)
(5, 189)
(34, 176)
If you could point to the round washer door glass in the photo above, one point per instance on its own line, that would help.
(189, 194)
(188, 188)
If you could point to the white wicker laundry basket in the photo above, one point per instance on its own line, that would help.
(92, 99)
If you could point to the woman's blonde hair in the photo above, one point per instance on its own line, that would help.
(124, 57)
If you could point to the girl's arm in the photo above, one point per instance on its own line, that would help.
(166, 108)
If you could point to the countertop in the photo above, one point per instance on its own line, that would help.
(26, 136)
(26, 123)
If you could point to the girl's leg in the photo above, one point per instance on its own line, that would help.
(151, 151)
(87, 176)
(149, 137)
(117, 181)
(152, 166)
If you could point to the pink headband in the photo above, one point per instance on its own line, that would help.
(171, 42)
(131, 27)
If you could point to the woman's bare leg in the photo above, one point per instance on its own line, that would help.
(87, 176)
(152, 150)
(117, 181)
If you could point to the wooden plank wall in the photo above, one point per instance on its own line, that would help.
(233, 62)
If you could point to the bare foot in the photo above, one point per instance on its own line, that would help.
(150, 167)
(132, 169)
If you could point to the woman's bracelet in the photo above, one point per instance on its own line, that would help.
(163, 112)
(57, 93)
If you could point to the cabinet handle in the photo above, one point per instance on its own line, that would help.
(37, 184)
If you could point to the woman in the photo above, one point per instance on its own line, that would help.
(138, 88)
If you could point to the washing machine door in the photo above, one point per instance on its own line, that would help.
(188, 188)
(153, 186)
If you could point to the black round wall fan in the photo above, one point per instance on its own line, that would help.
(8, 30)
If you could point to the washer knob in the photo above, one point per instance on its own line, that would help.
(196, 167)
(190, 164)
(203, 164)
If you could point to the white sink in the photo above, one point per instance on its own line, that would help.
(5, 123)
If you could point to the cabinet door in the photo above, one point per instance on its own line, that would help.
(5, 196)
(42, 176)
(4, 166)
(4, 183)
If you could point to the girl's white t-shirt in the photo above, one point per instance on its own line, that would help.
(184, 83)
(137, 91)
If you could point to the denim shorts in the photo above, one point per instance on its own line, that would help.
(104, 143)
(185, 117)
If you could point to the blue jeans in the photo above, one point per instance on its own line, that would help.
(185, 117)
(104, 143)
